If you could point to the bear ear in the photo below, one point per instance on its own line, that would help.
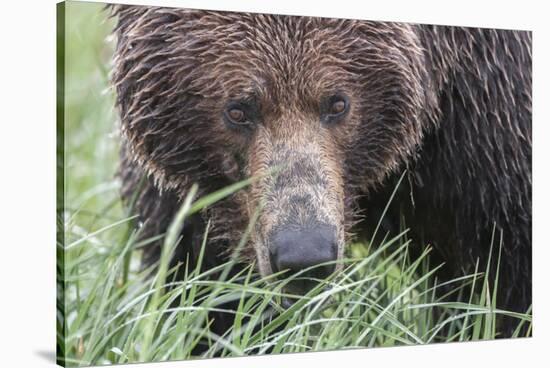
(151, 76)
(124, 14)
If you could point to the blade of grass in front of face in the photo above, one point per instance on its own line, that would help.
(476, 335)
(386, 209)
(188, 299)
(172, 238)
(492, 333)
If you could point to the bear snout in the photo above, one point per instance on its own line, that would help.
(296, 250)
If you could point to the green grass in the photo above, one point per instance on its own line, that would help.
(115, 312)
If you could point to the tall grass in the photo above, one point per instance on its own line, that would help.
(382, 298)
(116, 312)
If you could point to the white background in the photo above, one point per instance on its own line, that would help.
(27, 182)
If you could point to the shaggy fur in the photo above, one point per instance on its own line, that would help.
(450, 105)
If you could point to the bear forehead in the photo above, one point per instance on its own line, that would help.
(261, 53)
(284, 41)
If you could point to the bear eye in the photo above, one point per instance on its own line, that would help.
(335, 108)
(338, 106)
(236, 115)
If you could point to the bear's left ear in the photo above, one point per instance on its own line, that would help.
(391, 57)
(396, 95)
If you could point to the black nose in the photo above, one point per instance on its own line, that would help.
(296, 250)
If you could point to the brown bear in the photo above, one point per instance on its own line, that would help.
(341, 108)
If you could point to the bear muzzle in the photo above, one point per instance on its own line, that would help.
(308, 253)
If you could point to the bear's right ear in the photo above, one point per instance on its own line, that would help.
(154, 65)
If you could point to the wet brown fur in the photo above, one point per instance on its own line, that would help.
(451, 105)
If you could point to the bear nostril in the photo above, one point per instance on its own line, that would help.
(273, 263)
(296, 250)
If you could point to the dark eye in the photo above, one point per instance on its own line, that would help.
(235, 115)
(336, 107)
(238, 115)
(242, 115)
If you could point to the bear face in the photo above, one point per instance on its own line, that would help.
(326, 115)
(320, 110)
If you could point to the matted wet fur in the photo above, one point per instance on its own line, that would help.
(451, 105)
